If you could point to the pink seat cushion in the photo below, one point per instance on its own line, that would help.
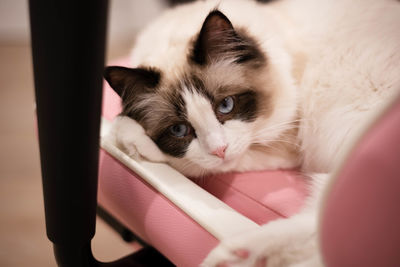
(361, 218)
(260, 196)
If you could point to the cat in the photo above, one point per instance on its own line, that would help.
(237, 85)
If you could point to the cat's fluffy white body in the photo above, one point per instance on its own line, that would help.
(346, 51)
(339, 62)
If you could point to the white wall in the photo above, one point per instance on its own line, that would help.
(126, 17)
(14, 22)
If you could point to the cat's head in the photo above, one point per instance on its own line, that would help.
(205, 115)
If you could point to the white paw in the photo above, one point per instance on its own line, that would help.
(133, 140)
(235, 252)
(282, 243)
(130, 149)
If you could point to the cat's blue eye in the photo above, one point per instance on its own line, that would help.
(179, 130)
(226, 105)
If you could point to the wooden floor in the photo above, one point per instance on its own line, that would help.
(23, 240)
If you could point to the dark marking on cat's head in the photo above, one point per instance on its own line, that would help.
(156, 110)
(248, 51)
(218, 39)
(194, 84)
(128, 83)
(216, 29)
(171, 111)
(131, 84)
(245, 107)
(172, 145)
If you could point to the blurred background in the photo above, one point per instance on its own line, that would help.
(23, 240)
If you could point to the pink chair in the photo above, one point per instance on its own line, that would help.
(185, 220)
(361, 217)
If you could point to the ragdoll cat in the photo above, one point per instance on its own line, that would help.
(235, 85)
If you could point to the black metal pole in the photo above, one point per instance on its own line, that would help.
(68, 45)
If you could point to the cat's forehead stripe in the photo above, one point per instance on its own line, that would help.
(194, 84)
(200, 114)
(197, 105)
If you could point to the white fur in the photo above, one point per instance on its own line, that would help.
(131, 137)
(202, 117)
(337, 62)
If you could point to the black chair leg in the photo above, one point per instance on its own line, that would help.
(125, 233)
(68, 45)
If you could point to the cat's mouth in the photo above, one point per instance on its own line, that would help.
(229, 161)
(216, 164)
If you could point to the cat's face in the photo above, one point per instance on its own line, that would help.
(207, 113)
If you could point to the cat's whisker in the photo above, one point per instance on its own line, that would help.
(286, 123)
(279, 128)
(284, 141)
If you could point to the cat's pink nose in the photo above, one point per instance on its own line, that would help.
(220, 151)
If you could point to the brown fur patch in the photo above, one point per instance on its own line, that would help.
(218, 40)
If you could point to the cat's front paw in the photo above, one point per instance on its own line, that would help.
(234, 254)
(282, 243)
(130, 136)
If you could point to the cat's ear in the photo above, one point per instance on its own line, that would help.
(218, 39)
(127, 82)
(216, 32)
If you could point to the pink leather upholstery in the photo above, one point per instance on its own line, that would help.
(361, 218)
(150, 215)
(260, 196)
